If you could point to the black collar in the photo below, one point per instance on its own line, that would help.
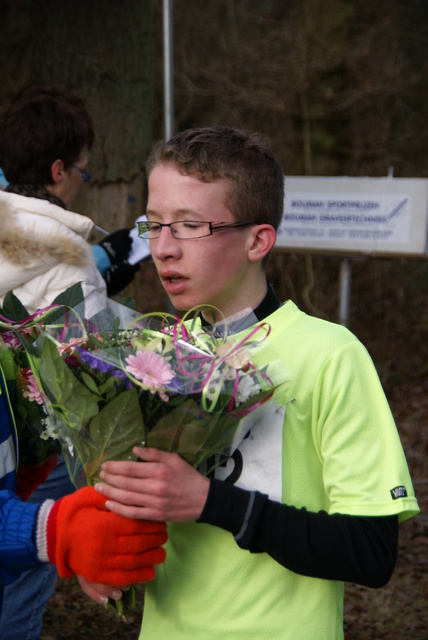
(268, 305)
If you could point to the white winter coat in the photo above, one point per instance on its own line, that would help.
(43, 251)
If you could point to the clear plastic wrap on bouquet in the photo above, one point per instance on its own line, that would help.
(36, 440)
(123, 379)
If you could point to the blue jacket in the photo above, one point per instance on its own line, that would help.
(17, 518)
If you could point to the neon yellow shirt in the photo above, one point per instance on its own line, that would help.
(337, 449)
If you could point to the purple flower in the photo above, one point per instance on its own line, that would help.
(93, 361)
(121, 375)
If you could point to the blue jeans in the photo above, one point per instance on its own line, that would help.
(25, 600)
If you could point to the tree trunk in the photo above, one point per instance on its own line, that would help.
(101, 50)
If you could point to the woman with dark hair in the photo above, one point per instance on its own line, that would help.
(45, 136)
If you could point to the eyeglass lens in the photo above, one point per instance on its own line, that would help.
(181, 229)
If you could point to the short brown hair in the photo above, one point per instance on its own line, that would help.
(242, 158)
(42, 124)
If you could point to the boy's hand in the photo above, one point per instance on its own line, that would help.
(100, 592)
(165, 487)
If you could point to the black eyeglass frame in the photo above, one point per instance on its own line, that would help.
(84, 175)
(212, 226)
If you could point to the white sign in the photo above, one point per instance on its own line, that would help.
(355, 215)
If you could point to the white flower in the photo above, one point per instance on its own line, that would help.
(50, 430)
(246, 389)
(212, 390)
(230, 374)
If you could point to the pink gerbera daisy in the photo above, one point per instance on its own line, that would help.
(153, 371)
(29, 386)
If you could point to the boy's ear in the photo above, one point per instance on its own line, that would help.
(57, 171)
(261, 240)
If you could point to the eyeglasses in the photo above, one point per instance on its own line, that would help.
(186, 229)
(84, 175)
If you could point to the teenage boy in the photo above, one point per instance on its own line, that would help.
(262, 551)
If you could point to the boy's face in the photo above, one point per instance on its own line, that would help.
(214, 269)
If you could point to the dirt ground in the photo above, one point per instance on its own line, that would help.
(399, 611)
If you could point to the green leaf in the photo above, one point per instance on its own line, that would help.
(71, 297)
(128, 301)
(13, 309)
(112, 433)
(108, 385)
(90, 383)
(74, 403)
(182, 430)
(7, 363)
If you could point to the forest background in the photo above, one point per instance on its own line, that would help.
(337, 88)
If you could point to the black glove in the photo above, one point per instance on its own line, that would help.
(119, 275)
(117, 246)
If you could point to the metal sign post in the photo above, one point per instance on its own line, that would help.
(168, 69)
(344, 291)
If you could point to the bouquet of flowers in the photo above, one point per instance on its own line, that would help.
(122, 379)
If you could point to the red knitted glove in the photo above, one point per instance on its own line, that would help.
(29, 477)
(84, 538)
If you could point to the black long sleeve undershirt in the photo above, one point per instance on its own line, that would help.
(355, 549)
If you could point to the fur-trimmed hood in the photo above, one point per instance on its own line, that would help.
(44, 250)
(33, 229)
